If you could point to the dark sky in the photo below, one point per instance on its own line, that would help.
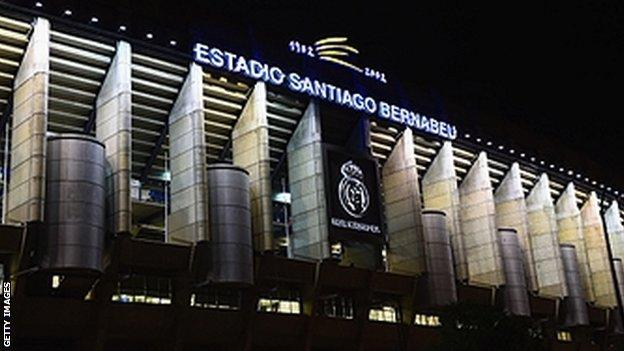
(545, 77)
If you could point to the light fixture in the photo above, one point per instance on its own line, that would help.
(478, 140)
(616, 192)
(489, 143)
(122, 28)
(500, 147)
(67, 13)
(532, 159)
(522, 154)
(561, 169)
(467, 136)
(512, 151)
(594, 182)
(149, 35)
(38, 4)
(94, 20)
(542, 163)
(608, 188)
(601, 186)
(586, 179)
(173, 42)
(552, 166)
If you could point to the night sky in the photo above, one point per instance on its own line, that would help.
(545, 78)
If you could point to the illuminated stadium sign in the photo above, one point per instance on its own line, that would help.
(222, 59)
(336, 50)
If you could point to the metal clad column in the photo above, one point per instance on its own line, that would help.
(188, 222)
(575, 301)
(478, 224)
(544, 241)
(310, 238)
(439, 259)
(250, 150)
(230, 225)
(516, 295)
(615, 230)
(113, 127)
(403, 206)
(75, 213)
(439, 188)
(597, 253)
(571, 232)
(26, 194)
(511, 212)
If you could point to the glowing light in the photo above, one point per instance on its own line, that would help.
(173, 43)
(122, 28)
(332, 53)
(341, 62)
(331, 40)
(94, 20)
(67, 13)
(149, 35)
(338, 47)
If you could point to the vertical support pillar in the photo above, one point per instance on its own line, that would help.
(439, 189)
(403, 209)
(250, 150)
(615, 230)
(26, 195)
(542, 225)
(511, 212)
(113, 127)
(597, 254)
(571, 232)
(307, 188)
(188, 222)
(478, 222)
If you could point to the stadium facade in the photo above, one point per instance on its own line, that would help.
(154, 199)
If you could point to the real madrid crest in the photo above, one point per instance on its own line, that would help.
(352, 192)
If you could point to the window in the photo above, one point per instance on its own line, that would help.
(337, 307)
(143, 289)
(220, 299)
(385, 309)
(383, 314)
(427, 320)
(280, 301)
(564, 336)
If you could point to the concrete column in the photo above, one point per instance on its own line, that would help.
(511, 212)
(188, 222)
(403, 209)
(571, 232)
(439, 188)
(310, 237)
(478, 223)
(613, 220)
(542, 223)
(26, 194)
(250, 150)
(113, 127)
(597, 253)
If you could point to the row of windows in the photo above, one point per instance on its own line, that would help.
(143, 289)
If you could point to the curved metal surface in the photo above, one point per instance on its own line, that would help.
(576, 307)
(75, 203)
(230, 225)
(515, 290)
(439, 261)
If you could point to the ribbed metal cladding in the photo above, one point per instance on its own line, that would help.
(439, 259)
(516, 296)
(619, 276)
(575, 301)
(230, 225)
(74, 206)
